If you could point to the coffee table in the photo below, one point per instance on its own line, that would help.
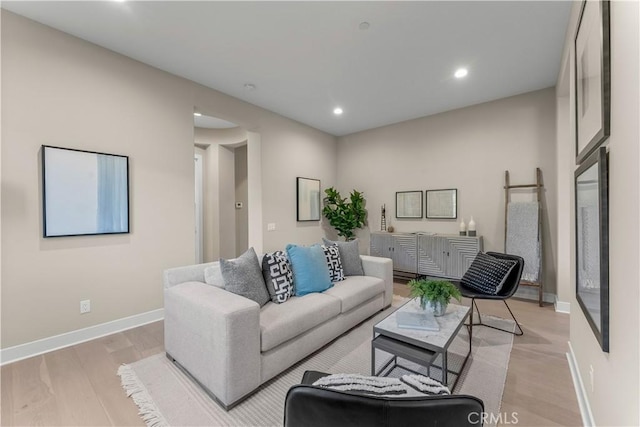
(424, 348)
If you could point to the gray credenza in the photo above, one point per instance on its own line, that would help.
(426, 254)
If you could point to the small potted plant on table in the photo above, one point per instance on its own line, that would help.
(434, 293)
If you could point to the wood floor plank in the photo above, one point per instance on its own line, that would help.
(101, 368)
(78, 403)
(31, 400)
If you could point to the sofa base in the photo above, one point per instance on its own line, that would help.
(205, 389)
(240, 400)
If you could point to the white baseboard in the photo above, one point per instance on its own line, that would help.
(581, 393)
(45, 345)
(562, 306)
(532, 294)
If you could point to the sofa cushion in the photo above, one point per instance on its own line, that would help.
(281, 322)
(355, 290)
(310, 271)
(349, 255)
(243, 276)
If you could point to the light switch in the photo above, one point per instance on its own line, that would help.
(271, 226)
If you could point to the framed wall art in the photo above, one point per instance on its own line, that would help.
(307, 199)
(442, 204)
(84, 192)
(409, 204)
(592, 243)
(592, 78)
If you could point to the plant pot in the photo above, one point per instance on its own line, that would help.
(437, 307)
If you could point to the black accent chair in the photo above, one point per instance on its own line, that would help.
(311, 406)
(508, 289)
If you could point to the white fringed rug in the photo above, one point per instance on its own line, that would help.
(166, 396)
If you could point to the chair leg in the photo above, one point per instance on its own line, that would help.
(518, 332)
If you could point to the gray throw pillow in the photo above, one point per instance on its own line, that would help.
(349, 255)
(243, 276)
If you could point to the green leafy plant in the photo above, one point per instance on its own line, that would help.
(345, 215)
(434, 290)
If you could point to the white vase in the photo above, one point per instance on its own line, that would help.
(463, 228)
(472, 227)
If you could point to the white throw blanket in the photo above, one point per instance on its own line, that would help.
(407, 385)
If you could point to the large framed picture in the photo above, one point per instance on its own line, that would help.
(409, 204)
(307, 199)
(442, 204)
(84, 192)
(592, 243)
(592, 78)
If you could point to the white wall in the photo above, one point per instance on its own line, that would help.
(90, 98)
(615, 398)
(241, 187)
(468, 149)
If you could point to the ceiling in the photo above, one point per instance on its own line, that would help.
(306, 58)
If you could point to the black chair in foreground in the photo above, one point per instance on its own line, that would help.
(509, 286)
(307, 405)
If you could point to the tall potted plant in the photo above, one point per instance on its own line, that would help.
(435, 293)
(345, 215)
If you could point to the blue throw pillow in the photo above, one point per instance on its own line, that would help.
(310, 271)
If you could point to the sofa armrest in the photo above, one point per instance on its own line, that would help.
(190, 273)
(215, 335)
(383, 269)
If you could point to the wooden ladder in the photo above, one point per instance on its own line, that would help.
(538, 188)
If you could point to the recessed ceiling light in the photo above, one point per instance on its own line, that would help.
(249, 86)
(197, 114)
(119, 1)
(364, 25)
(337, 111)
(460, 73)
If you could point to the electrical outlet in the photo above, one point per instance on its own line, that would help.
(591, 378)
(271, 226)
(85, 306)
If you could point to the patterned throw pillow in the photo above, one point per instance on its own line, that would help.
(332, 254)
(277, 274)
(487, 274)
(407, 385)
(349, 256)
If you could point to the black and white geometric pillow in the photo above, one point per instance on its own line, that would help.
(278, 276)
(487, 274)
(332, 254)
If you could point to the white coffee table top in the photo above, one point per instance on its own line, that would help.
(449, 324)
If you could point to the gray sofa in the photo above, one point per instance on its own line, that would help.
(230, 345)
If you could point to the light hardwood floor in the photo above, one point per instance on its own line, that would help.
(78, 386)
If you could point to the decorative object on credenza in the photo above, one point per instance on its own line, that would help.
(442, 204)
(84, 192)
(463, 228)
(307, 199)
(345, 215)
(434, 294)
(383, 219)
(409, 204)
(592, 243)
(390, 229)
(472, 227)
(593, 78)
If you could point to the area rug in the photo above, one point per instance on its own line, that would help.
(166, 397)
